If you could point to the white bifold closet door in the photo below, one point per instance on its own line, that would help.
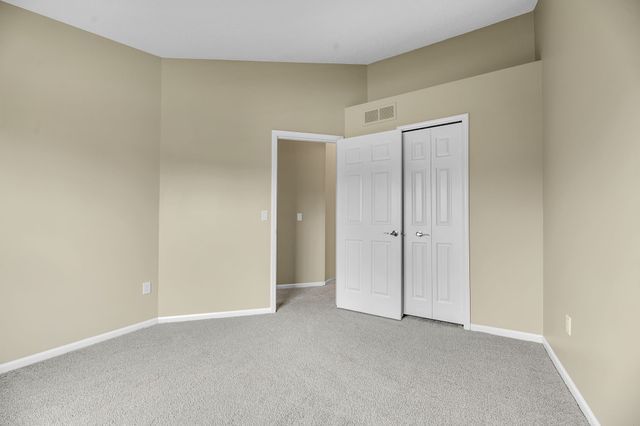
(434, 258)
(369, 224)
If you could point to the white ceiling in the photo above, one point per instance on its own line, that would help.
(331, 31)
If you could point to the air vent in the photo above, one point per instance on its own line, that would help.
(388, 112)
(384, 113)
(371, 116)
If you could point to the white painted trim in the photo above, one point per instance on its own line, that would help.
(330, 280)
(504, 332)
(537, 338)
(464, 119)
(582, 403)
(60, 350)
(275, 136)
(302, 285)
(70, 347)
(211, 315)
(309, 284)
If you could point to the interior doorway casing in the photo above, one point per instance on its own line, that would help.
(276, 135)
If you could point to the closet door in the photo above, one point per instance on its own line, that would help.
(369, 224)
(418, 291)
(434, 260)
(447, 226)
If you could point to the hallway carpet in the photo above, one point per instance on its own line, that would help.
(309, 363)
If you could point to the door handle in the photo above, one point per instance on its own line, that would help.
(393, 233)
(420, 234)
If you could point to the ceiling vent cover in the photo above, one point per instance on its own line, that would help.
(384, 113)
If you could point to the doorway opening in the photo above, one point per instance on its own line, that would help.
(303, 179)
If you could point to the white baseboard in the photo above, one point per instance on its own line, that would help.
(302, 285)
(60, 350)
(504, 332)
(531, 337)
(210, 315)
(520, 335)
(330, 280)
(582, 403)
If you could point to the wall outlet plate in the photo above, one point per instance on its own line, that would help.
(299, 217)
(567, 324)
(146, 287)
(264, 215)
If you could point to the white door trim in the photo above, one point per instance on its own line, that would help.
(464, 120)
(275, 136)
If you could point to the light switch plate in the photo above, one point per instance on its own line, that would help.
(299, 217)
(264, 215)
(146, 287)
(567, 324)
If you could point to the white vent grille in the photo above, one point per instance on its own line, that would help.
(384, 113)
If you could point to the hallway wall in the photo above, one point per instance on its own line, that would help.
(301, 188)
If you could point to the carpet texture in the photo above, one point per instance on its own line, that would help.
(310, 363)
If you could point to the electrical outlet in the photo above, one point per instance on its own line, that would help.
(146, 287)
(299, 217)
(567, 324)
(264, 215)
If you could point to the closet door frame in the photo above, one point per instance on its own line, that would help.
(463, 119)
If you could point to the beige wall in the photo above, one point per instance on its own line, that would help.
(79, 137)
(591, 76)
(217, 118)
(330, 216)
(505, 184)
(301, 189)
(492, 48)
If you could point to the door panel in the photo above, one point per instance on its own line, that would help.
(354, 198)
(380, 259)
(369, 207)
(418, 278)
(381, 198)
(447, 233)
(353, 264)
(418, 292)
(434, 215)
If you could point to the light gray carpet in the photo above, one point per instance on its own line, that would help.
(309, 363)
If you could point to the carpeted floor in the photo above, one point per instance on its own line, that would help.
(309, 363)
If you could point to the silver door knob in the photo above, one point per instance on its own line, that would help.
(393, 233)
(420, 234)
